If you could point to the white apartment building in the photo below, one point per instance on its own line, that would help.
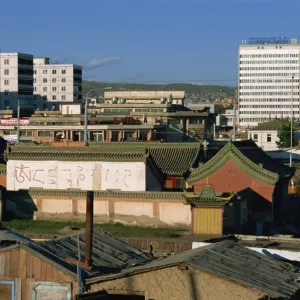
(56, 83)
(268, 80)
(16, 80)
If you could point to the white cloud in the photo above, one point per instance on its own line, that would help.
(98, 63)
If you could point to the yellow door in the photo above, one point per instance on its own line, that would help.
(208, 220)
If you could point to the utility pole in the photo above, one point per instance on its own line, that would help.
(292, 117)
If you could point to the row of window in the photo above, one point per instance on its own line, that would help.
(267, 74)
(268, 106)
(268, 62)
(266, 100)
(267, 93)
(54, 72)
(54, 89)
(269, 80)
(255, 120)
(268, 68)
(269, 87)
(281, 112)
(255, 137)
(45, 80)
(267, 55)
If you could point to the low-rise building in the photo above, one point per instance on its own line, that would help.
(224, 271)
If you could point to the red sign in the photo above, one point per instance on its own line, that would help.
(14, 121)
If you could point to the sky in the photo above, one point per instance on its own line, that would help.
(157, 41)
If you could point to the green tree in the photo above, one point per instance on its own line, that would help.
(284, 135)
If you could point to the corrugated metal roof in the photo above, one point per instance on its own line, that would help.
(233, 262)
(109, 255)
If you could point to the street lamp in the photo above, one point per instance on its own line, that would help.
(234, 115)
(292, 116)
(86, 113)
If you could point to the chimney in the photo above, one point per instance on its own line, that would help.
(89, 228)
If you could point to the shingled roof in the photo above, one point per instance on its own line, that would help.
(229, 261)
(171, 159)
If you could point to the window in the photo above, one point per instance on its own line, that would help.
(269, 137)
(63, 80)
(63, 97)
(53, 71)
(44, 133)
(6, 92)
(6, 71)
(54, 97)
(6, 103)
(6, 82)
(44, 71)
(63, 71)
(25, 133)
(6, 61)
(44, 89)
(44, 106)
(34, 88)
(53, 89)
(34, 71)
(63, 88)
(255, 137)
(44, 80)
(34, 80)
(45, 97)
(53, 80)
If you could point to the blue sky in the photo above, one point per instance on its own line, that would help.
(145, 40)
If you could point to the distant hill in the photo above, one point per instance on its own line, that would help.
(190, 89)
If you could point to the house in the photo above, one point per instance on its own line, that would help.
(235, 166)
(33, 271)
(225, 271)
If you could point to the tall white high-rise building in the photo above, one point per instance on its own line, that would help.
(56, 83)
(16, 80)
(269, 70)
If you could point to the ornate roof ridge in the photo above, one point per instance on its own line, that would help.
(157, 195)
(222, 156)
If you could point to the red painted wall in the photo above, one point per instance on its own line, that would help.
(230, 178)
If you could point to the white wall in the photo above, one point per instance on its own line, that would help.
(262, 139)
(71, 109)
(78, 175)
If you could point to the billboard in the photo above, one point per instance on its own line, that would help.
(14, 121)
(124, 176)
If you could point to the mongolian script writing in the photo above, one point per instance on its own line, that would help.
(81, 175)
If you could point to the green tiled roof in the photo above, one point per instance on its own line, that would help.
(171, 159)
(174, 161)
(207, 197)
(107, 194)
(231, 152)
(2, 169)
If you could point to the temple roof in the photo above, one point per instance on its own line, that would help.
(171, 159)
(149, 195)
(247, 156)
(208, 197)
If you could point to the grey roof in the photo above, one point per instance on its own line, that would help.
(233, 262)
(110, 255)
